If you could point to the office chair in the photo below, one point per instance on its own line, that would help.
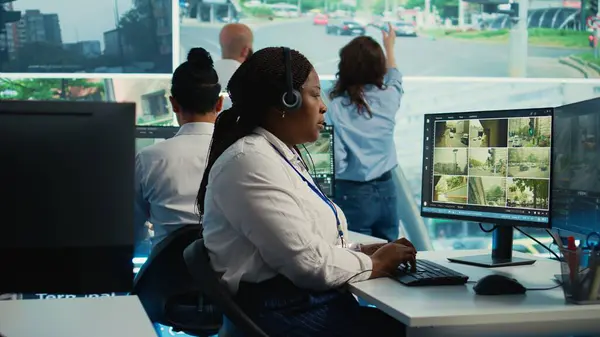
(169, 294)
(198, 263)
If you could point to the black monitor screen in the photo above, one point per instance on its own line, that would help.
(319, 158)
(576, 170)
(489, 166)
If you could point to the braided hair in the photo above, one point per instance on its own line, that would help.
(195, 84)
(255, 89)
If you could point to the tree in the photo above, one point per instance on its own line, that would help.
(138, 29)
(494, 194)
(455, 182)
(44, 89)
(514, 156)
(538, 187)
(446, 8)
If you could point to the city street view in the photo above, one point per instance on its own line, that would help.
(319, 155)
(150, 95)
(487, 191)
(87, 36)
(488, 132)
(432, 44)
(452, 134)
(451, 189)
(527, 193)
(450, 161)
(529, 162)
(488, 162)
(530, 132)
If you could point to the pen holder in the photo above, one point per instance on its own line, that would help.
(580, 276)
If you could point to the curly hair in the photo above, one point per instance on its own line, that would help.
(362, 62)
(254, 89)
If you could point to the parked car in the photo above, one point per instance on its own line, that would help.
(402, 28)
(344, 27)
(320, 20)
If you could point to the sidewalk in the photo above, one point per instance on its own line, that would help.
(588, 70)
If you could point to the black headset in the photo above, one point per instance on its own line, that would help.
(291, 98)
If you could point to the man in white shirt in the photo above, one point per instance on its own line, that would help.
(236, 46)
(168, 174)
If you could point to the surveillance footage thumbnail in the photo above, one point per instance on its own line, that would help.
(527, 193)
(450, 189)
(149, 94)
(318, 155)
(87, 36)
(479, 41)
(488, 132)
(487, 191)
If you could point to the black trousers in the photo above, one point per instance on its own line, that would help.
(282, 309)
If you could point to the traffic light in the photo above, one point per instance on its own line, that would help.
(593, 7)
(7, 16)
(531, 126)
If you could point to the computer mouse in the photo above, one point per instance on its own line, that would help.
(496, 284)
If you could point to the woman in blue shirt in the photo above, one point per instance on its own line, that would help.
(363, 107)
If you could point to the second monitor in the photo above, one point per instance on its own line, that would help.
(318, 155)
(489, 167)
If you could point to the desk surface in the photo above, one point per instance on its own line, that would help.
(119, 316)
(459, 306)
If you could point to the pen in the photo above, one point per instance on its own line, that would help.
(572, 260)
(595, 272)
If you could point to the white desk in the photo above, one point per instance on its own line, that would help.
(118, 316)
(456, 311)
(363, 238)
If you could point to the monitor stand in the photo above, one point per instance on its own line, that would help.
(502, 243)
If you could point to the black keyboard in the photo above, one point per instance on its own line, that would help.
(430, 274)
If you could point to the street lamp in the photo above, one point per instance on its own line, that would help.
(456, 170)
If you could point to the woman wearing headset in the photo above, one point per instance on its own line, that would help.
(278, 242)
(363, 107)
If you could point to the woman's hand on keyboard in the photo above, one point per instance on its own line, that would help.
(389, 256)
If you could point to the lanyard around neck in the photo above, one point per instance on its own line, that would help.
(318, 193)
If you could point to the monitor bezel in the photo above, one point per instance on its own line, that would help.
(547, 111)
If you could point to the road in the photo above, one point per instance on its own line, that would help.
(532, 172)
(419, 56)
(480, 172)
(448, 141)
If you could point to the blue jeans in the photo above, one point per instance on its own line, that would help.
(371, 207)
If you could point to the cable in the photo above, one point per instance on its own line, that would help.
(539, 243)
(549, 288)
(487, 230)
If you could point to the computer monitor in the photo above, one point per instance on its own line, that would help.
(320, 160)
(67, 191)
(149, 135)
(576, 169)
(489, 167)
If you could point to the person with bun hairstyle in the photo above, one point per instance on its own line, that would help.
(279, 243)
(363, 107)
(167, 173)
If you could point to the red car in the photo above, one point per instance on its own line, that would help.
(320, 20)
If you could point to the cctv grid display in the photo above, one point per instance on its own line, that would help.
(491, 165)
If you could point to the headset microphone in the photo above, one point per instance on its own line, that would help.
(291, 98)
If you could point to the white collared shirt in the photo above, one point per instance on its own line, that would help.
(261, 219)
(167, 178)
(225, 69)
